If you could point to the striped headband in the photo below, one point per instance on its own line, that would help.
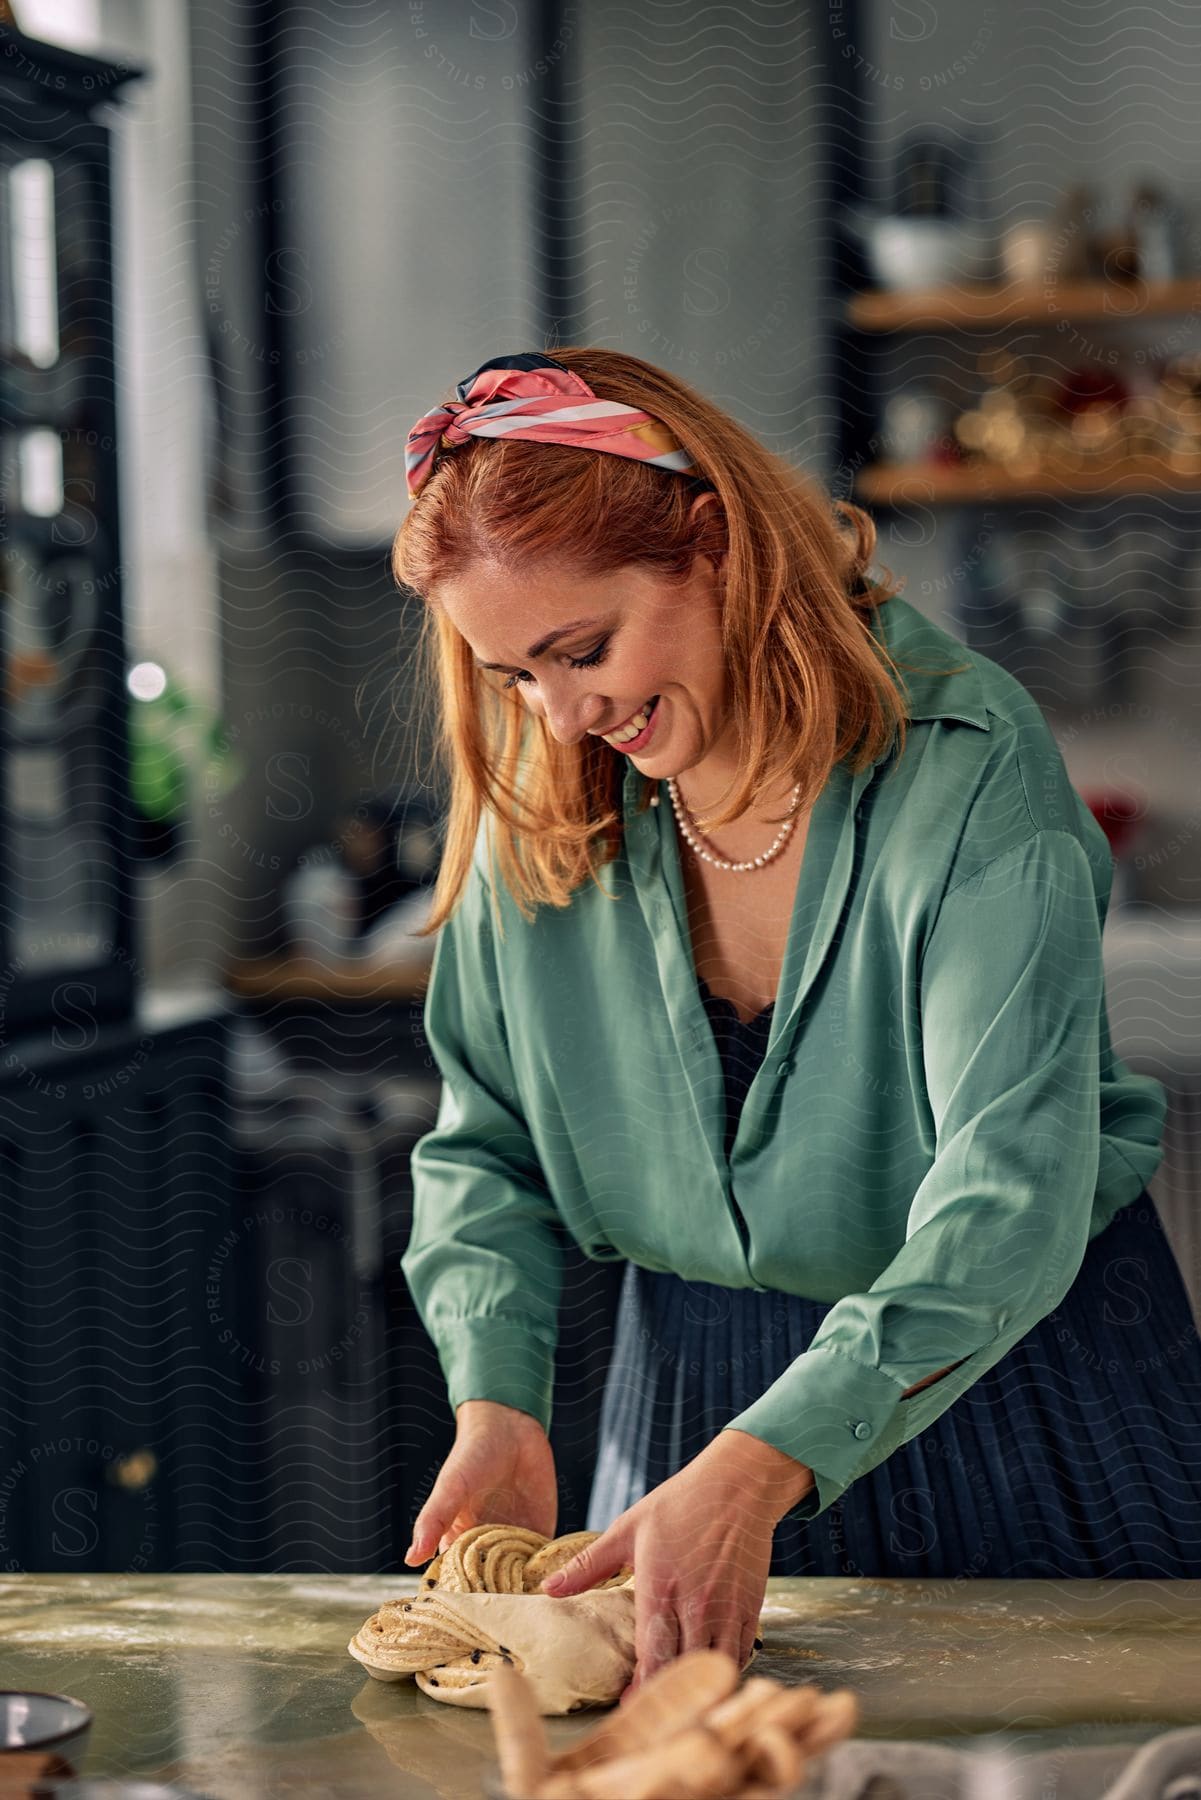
(530, 397)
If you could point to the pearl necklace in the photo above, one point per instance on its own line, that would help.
(719, 862)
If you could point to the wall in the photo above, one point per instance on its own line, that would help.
(702, 222)
(403, 235)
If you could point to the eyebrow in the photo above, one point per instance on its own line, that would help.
(544, 644)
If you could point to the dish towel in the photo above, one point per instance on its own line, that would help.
(1166, 1767)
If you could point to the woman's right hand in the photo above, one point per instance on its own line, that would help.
(501, 1471)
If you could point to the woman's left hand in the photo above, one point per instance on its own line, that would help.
(701, 1548)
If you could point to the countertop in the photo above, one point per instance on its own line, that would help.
(240, 1687)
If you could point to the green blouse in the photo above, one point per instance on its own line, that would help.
(937, 1130)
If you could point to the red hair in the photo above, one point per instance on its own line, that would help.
(810, 685)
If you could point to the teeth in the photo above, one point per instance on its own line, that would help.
(631, 728)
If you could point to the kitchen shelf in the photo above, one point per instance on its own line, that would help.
(933, 484)
(981, 304)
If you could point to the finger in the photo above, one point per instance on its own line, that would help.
(428, 1529)
(711, 1621)
(657, 1635)
(438, 1514)
(732, 1632)
(736, 1641)
(727, 1639)
(591, 1564)
(459, 1524)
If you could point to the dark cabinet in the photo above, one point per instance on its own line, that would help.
(65, 924)
(115, 1406)
(113, 1139)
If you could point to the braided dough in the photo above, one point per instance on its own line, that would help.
(478, 1606)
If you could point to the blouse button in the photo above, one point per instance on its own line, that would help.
(786, 1067)
(863, 1429)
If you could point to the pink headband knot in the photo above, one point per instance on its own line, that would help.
(528, 396)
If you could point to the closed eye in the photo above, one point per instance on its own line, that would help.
(591, 661)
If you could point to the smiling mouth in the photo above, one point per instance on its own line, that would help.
(647, 711)
(646, 707)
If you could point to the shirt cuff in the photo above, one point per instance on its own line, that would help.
(838, 1417)
(498, 1358)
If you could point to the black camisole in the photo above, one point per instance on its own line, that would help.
(741, 1047)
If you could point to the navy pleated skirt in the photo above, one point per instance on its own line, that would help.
(1078, 1454)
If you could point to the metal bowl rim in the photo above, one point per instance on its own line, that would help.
(58, 1737)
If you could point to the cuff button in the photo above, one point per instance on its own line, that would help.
(862, 1429)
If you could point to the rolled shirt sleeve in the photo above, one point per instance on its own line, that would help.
(484, 1259)
(1010, 993)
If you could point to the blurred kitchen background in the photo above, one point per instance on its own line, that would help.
(947, 259)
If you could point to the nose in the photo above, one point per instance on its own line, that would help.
(568, 717)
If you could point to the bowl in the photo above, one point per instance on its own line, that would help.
(907, 253)
(41, 1736)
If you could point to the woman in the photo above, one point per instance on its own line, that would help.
(824, 1058)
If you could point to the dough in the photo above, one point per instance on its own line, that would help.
(478, 1605)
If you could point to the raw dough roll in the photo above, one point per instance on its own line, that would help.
(478, 1604)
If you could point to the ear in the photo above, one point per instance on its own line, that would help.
(702, 504)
